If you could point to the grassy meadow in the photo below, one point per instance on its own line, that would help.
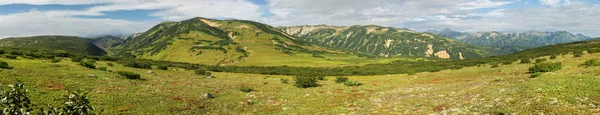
(505, 89)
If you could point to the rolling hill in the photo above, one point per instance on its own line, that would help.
(69, 44)
(384, 41)
(227, 42)
(107, 42)
(505, 43)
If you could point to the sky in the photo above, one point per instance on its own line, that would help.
(124, 17)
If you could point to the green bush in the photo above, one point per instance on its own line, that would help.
(321, 78)
(495, 65)
(306, 81)
(352, 83)
(16, 100)
(246, 89)
(525, 61)
(76, 58)
(579, 54)
(1, 51)
(202, 72)
(545, 67)
(110, 64)
(88, 63)
(75, 103)
(10, 56)
(553, 56)
(163, 67)
(129, 75)
(508, 62)
(103, 68)
(56, 59)
(4, 65)
(341, 79)
(591, 62)
(540, 60)
(136, 64)
(284, 81)
(592, 51)
(536, 74)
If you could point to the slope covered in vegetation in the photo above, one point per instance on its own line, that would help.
(67, 44)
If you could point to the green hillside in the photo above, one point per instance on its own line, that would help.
(107, 42)
(384, 41)
(230, 42)
(70, 44)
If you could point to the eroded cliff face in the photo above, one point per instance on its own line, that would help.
(384, 41)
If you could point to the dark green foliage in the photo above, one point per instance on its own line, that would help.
(110, 64)
(553, 56)
(15, 52)
(341, 79)
(163, 67)
(15, 100)
(77, 45)
(4, 65)
(129, 75)
(525, 61)
(495, 65)
(592, 51)
(536, 74)
(539, 60)
(578, 54)
(591, 62)
(10, 56)
(55, 59)
(321, 78)
(504, 63)
(246, 89)
(284, 81)
(75, 103)
(545, 67)
(1, 52)
(77, 58)
(136, 64)
(103, 68)
(202, 72)
(352, 83)
(88, 63)
(306, 81)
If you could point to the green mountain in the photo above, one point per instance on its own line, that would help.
(222, 42)
(69, 44)
(107, 42)
(384, 41)
(505, 43)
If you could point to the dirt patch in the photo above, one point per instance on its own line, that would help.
(442, 54)
(460, 55)
(369, 30)
(427, 35)
(388, 42)
(53, 85)
(210, 23)
(243, 26)
(429, 51)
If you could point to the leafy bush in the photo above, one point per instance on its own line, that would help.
(591, 51)
(88, 63)
(4, 65)
(10, 56)
(321, 78)
(75, 103)
(103, 68)
(553, 56)
(56, 59)
(545, 67)
(202, 72)
(284, 81)
(1, 51)
(508, 62)
(540, 60)
(129, 75)
(136, 64)
(578, 54)
(15, 52)
(536, 74)
(15, 100)
(525, 61)
(76, 58)
(306, 81)
(341, 79)
(495, 65)
(352, 83)
(246, 89)
(110, 64)
(163, 67)
(591, 62)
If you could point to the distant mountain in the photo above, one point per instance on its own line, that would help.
(222, 42)
(107, 42)
(503, 42)
(69, 44)
(384, 41)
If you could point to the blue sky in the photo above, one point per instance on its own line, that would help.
(98, 17)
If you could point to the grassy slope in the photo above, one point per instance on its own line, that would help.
(507, 89)
(69, 44)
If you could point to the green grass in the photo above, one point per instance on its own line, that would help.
(506, 89)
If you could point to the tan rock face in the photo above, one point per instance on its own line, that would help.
(442, 54)
(210, 23)
(388, 42)
(429, 51)
(460, 55)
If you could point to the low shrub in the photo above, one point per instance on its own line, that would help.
(163, 67)
(579, 54)
(591, 62)
(88, 63)
(506, 62)
(540, 60)
(352, 83)
(246, 89)
(536, 74)
(545, 67)
(284, 81)
(55, 59)
(4, 65)
(495, 65)
(1, 51)
(202, 72)
(76, 58)
(341, 79)
(592, 51)
(103, 68)
(553, 56)
(525, 61)
(10, 56)
(321, 78)
(16, 100)
(110, 64)
(306, 81)
(136, 64)
(129, 75)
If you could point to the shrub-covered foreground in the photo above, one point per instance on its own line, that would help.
(16, 101)
(545, 67)
(129, 75)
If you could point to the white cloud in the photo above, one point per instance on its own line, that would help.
(555, 3)
(483, 4)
